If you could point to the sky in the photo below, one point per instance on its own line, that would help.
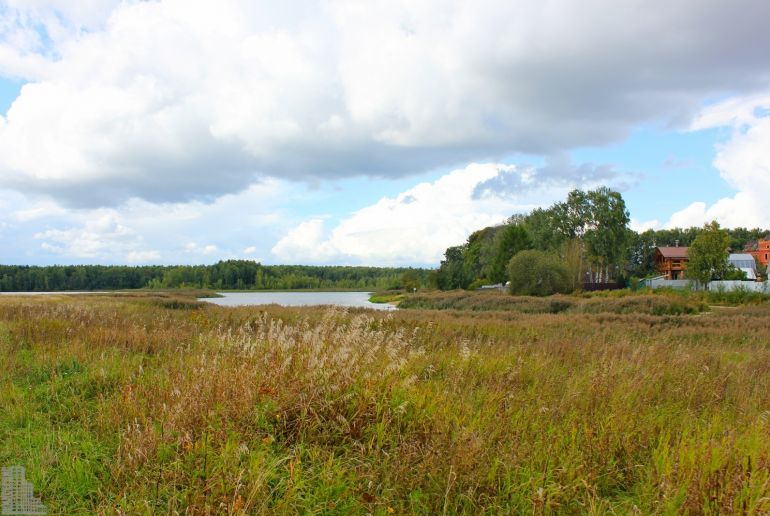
(366, 132)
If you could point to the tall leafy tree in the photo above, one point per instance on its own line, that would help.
(571, 254)
(510, 240)
(451, 273)
(410, 280)
(741, 237)
(708, 254)
(540, 225)
(640, 253)
(573, 217)
(478, 252)
(607, 234)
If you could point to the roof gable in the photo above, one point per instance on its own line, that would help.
(673, 252)
(740, 257)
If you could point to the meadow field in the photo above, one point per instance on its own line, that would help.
(156, 403)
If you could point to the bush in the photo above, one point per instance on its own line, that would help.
(536, 273)
(476, 284)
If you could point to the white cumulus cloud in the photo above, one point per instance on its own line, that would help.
(417, 225)
(180, 100)
(143, 256)
(98, 236)
(640, 226)
(743, 161)
(233, 226)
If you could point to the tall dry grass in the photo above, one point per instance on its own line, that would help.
(146, 406)
(668, 303)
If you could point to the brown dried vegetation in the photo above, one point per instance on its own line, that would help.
(132, 405)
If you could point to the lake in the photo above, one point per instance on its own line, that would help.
(351, 299)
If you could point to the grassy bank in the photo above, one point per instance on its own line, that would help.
(146, 406)
(393, 297)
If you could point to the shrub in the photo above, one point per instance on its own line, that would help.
(536, 273)
(476, 284)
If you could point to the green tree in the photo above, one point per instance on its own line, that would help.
(410, 280)
(478, 252)
(537, 273)
(707, 256)
(596, 222)
(541, 227)
(741, 237)
(451, 273)
(607, 234)
(571, 255)
(574, 216)
(509, 241)
(640, 253)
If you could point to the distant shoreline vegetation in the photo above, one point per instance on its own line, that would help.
(224, 275)
(585, 239)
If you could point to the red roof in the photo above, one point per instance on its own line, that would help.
(673, 252)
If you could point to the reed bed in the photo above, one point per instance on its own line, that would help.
(669, 303)
(159, 405)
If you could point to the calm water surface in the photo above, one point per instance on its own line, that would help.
(353, 299)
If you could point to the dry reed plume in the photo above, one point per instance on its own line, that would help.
(147, 405)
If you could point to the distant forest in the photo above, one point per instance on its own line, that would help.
(231, 274)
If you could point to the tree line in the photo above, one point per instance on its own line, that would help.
(583, 239)
(227, 275)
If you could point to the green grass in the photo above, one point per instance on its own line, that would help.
(388, 296)
(147, 404)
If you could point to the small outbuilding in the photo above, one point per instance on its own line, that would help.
(744, 262)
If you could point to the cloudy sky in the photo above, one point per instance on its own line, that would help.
(358, 132)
